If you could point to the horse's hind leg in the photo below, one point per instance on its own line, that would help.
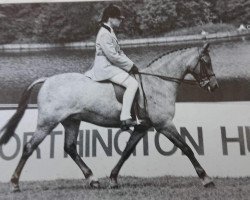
(39, 135)
(172, 134)
(71, 133)
(131, 144)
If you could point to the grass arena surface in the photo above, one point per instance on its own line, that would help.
(131, 188)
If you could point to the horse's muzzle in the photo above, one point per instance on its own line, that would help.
(212, 85)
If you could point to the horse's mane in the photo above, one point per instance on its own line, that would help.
(166, 53)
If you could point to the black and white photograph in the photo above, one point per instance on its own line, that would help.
(143, 99)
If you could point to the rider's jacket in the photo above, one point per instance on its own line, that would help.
(109, 58)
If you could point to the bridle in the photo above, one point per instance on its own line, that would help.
(201, 73)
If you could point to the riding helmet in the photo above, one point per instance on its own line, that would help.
(111, 11)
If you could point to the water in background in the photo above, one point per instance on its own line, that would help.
(18, 69)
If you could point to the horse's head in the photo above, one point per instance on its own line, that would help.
(203, 70)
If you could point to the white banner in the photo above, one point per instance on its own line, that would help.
(218, 133)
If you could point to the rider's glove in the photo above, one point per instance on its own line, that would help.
(134, 70)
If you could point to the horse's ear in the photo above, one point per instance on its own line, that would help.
(205, 47)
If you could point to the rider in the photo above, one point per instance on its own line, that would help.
(112, 64)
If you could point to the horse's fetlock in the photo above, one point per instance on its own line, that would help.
(14, 180)
(113, 174)
(201, 173)
(88, 173)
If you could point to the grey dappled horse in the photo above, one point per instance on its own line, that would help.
(72, 97)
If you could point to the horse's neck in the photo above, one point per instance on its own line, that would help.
(173, 65)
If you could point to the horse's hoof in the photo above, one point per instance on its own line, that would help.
(113, 184)
(209, 185)
(14, 186)
(95, 184)
(16, 189)
(208, 182)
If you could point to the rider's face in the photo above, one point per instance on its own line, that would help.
(115, 22)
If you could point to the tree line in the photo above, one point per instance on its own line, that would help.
(70, 22)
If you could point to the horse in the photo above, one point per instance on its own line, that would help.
(69, 99)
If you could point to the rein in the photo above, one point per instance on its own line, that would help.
(172, 79)
(168, 78)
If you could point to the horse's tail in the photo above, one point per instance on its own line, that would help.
(7, 131)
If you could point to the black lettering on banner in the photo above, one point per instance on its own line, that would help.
(87, 142)
(247, 128)
(116, 142)
(160, 150)
(52, 142)
(145, 142)
(25, 140)
(107, 148)
(226, 140)
(18, 147)
(199, 148)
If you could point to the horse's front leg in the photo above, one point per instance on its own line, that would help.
(172, 134)
(135, 137)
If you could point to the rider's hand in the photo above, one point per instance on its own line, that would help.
(134, 69)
